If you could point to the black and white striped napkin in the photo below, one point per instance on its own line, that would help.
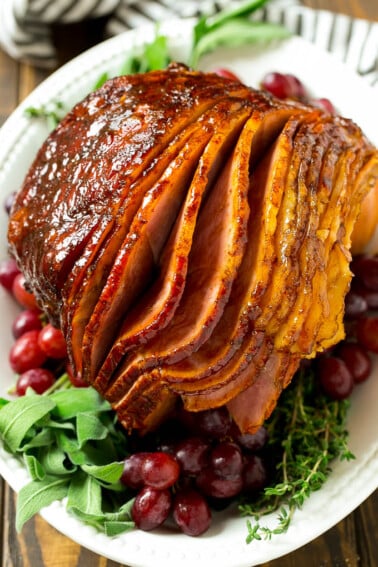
(25, 25)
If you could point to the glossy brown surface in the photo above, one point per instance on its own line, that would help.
(352, 543)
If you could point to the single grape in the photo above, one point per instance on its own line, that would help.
(254, 474)
(8, 273)
(75, 379)
(298, 89)
(212, 485)
(355, 305)
(52, 342)
(214, 423)
(22, 296)
(226, 460)
(191, 512)
(151, 508)
(367, 333)
(132, 470)
(357, 360)
(27, 320)
(252, 441)
(325, 104)
(192, 454)
(370, 296)
(39, 379)
(226, 74)
(160, 470)
(366, 270)
(335, 378)
(278, 85)
(26, 353)
(8, 202)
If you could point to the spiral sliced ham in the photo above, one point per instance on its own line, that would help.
(191, 236)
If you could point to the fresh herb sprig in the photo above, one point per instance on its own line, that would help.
(308, 432)
(73, 448)
(232, 28)
(52, 112)
(228, 28)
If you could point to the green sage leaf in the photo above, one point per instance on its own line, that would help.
(234, 33)
(243, 10)
(54, 461)
(114, 528)
(156, 54)
(69, 403)
(43, 438)
(36, 495)
(89, 427)
(17, 417)
(100, 81)
(110, 473)
(34, 467)
(85, 494)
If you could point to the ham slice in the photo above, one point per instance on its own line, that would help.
(265, 195)
(208, 169)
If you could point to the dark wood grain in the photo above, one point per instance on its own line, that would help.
(351, 543)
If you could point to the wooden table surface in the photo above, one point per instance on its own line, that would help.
(351, 543)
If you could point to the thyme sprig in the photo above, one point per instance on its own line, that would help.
(315, 435)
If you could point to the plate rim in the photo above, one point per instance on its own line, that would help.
(43, 94)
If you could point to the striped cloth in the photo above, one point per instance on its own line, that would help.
(25, 25)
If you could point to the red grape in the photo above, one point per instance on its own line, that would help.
(355, 305)
(75, 379)
(8, 273)
(366, 270)
(226, 74)
(213, 485)
(325, 104)
(39, 379)
(278, 85)
(335, 377)
(357, 360)
(367, 333)
(191, 512)
(226, 459)
(254, 474)
(298, 89)
(151, 508)
(132, 470)
(192, 453)
(26, 353)
(24, 297)
(214, 423)
(160, 470)
(27, 320)
(52, 342)
(252, 441)
(8, 202)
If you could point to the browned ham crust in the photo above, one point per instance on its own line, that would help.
(191, 236)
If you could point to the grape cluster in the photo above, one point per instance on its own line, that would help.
(203, 466)
(349, 363)
(39, 353)
(284, 86)
(287, 86)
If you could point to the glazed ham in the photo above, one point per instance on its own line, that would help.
(191, 236)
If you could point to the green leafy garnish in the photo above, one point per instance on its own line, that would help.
(232, 28)
(52, 113)
(229, 27)
(72, 447)
(307, 430)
